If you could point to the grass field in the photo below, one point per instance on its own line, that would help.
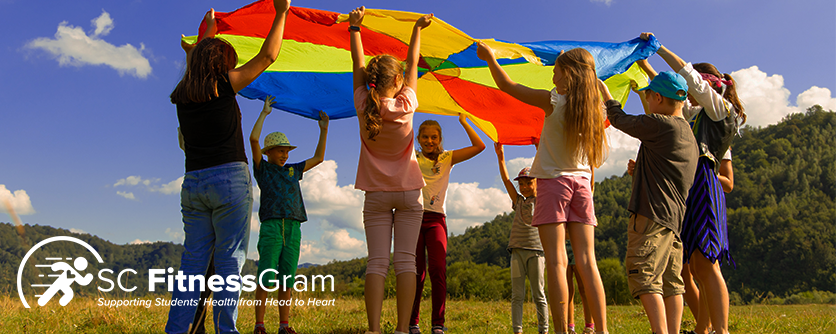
(348, 316)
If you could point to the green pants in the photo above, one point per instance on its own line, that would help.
(279, 241)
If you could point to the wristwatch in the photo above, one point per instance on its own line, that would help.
(353, 28)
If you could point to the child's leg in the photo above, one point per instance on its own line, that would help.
(570, 314)
(587, 315)
(673, 313)
(654, 307)
(535, 268)
(421, 264)
(407, 225)
(582, 237)
(270, 242)
(692, 297)
(436, 239)
(377, 221)
(517, 289)
(288, 262)
(552, 238)
(714, 290)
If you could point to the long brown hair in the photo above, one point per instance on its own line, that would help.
(584, 116)
(381, 74)
(210, 59)
(731, 90)
(438, 149)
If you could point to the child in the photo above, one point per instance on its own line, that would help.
(525, 248)
(281, 212)
(571, 144)
(716, 114)
(571, 272)
(436, 164)
(662, 175)
(388, 170)
(216, 198)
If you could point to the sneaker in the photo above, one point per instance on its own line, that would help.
(439, 330)
(287, 330)
(588, 330)
(260, 330)
(414, 329)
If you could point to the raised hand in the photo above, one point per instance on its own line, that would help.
(484, 52)
(355, 17)
(268, 103)
(631, 166)
(646, 35)
(500, 151)
(424, 21)
(281, 6)
(323, 120)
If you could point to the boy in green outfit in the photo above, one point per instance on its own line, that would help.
(281, 213)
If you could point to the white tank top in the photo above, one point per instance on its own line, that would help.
(553, 158)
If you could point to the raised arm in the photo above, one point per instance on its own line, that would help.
(358, 58)
(211, 30)
(726, 176)
(245, 74)
(476, 144)
(534, 97)
(671, 58)
(503, 173)
(414, 53)
(256, 133)
(319, 155)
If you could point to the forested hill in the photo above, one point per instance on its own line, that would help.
(781, 214)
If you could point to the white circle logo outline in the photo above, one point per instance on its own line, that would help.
(36, 247)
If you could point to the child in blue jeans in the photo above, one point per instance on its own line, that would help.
(281, 213)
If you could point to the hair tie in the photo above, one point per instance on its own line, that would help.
(371, 84)
(715, 81)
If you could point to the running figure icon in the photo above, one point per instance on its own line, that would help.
(63, 283)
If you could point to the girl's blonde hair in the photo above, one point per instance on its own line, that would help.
(381, 73)
(438, 149)
(584, 115)
(208, 62)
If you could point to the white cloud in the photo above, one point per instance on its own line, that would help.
(816, 95)
(255, 224)
(622, 148)
(172, 187)
(126, 194)
(606, 2)
(149, 184)
(334, 244)
(18, 201)
(468, 205)
(73, 47)
(253, 255)
(175, 235)
(139, 242)
(341, 206)
(77, 231)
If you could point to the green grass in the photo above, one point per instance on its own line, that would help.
(348, 316)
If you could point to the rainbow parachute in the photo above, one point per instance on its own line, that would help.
(313, 71)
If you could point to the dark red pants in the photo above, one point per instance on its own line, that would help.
(433, 237)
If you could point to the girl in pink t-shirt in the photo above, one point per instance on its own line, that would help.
(388, 171)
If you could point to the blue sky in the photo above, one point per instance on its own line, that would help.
(88, 136)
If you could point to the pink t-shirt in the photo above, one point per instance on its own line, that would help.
(388, 162)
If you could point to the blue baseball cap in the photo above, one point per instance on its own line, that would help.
(669, 84)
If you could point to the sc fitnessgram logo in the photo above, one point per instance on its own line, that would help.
(63, 272)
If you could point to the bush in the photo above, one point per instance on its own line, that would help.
(467, 280)
(614, 278)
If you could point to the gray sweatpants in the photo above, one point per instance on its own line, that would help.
(531, 264)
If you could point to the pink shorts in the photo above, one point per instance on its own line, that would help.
(566, 198)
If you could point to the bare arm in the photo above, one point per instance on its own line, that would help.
(534, 97)
(358, 58)
(642, 96)
(503, 172)
(645, 66)
(211, 30)
(671, 58)
(476, 144)
(245, 74)
(256, 133)
(319, 155)
(726, 175)
(414, 53)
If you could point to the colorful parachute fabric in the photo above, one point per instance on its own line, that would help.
(313, 71)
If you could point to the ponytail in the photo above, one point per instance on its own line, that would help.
(731, 96)
(380, 75)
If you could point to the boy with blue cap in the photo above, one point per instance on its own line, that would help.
(663, 174)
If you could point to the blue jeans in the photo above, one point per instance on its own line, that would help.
(216, 205)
